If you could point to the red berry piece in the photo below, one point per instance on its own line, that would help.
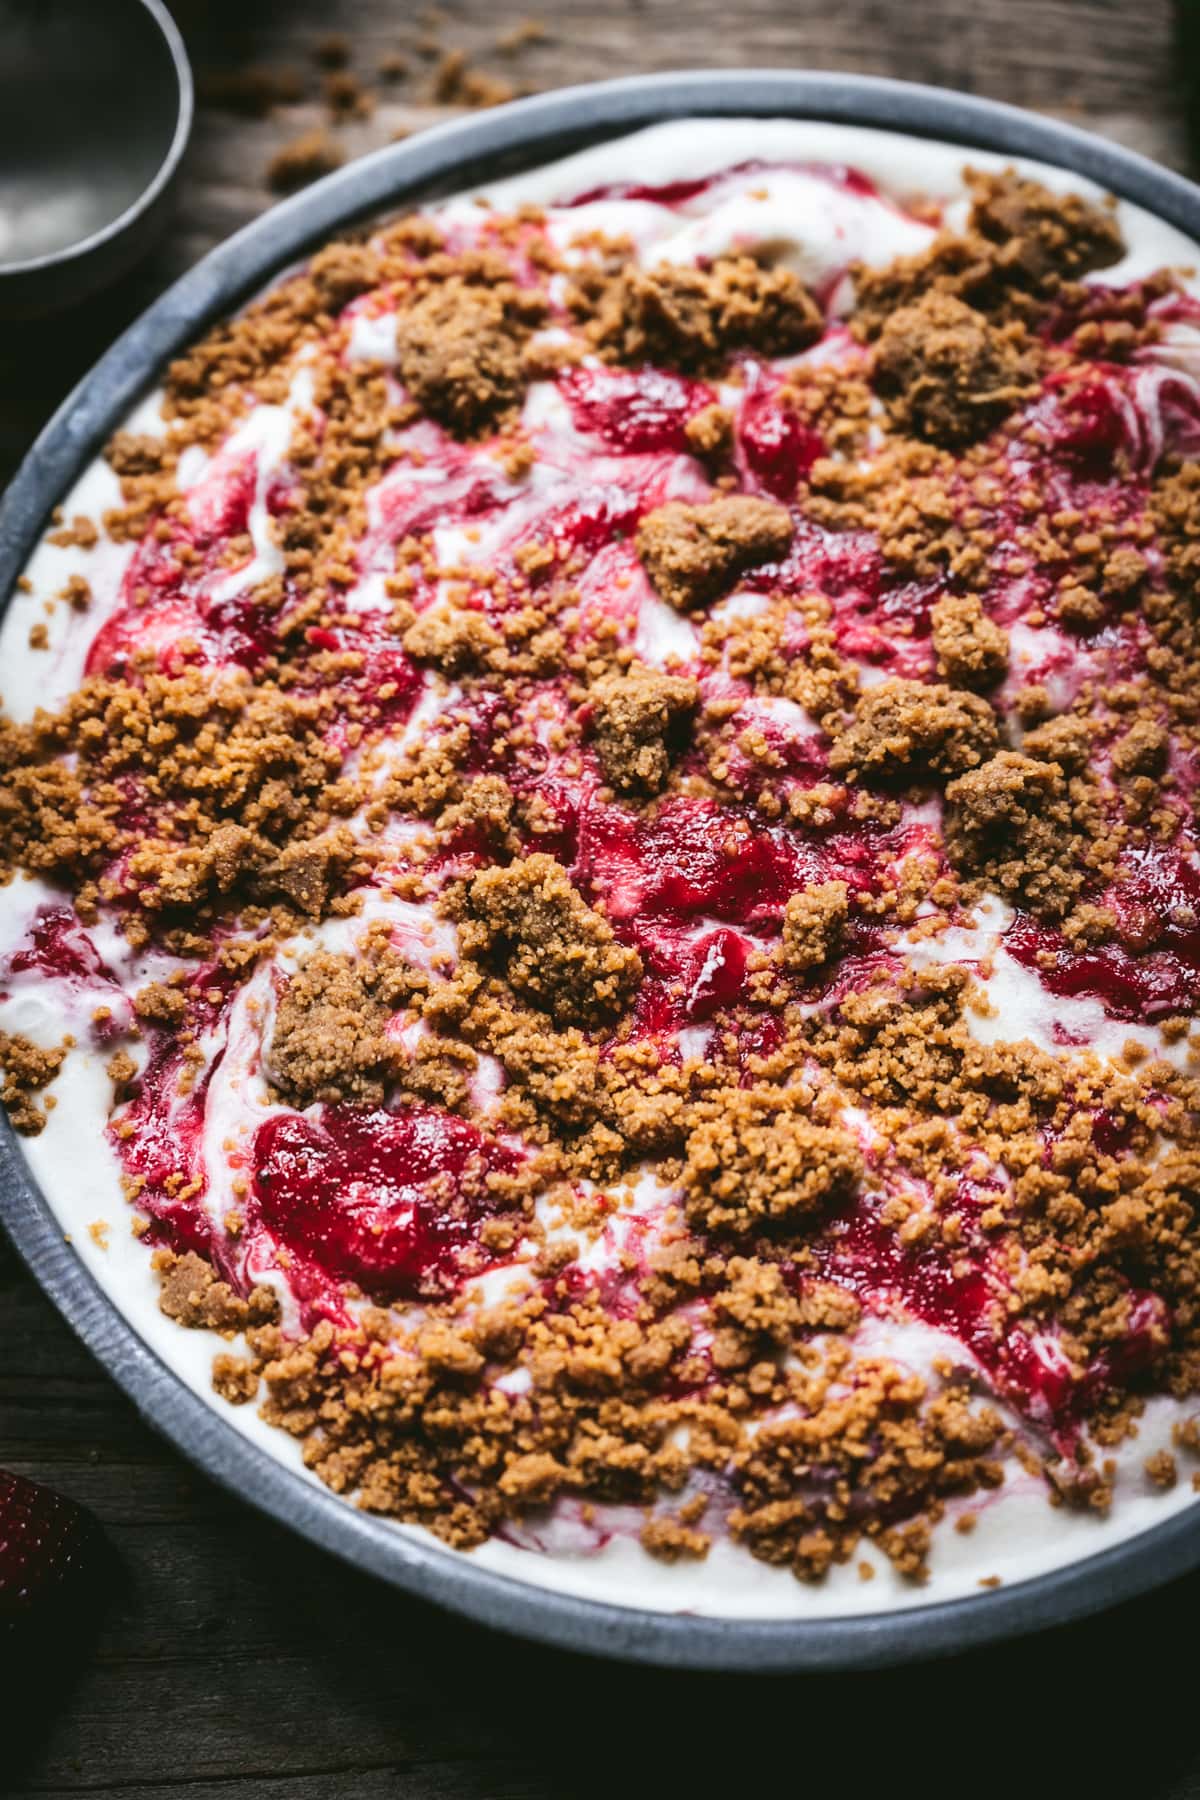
(47, 1544)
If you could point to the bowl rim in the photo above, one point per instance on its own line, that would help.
(459, 154)
(156, 11)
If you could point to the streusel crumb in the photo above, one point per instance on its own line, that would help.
(693, 554)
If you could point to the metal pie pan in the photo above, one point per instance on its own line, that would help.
(440, 161)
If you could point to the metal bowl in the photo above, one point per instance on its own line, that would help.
(95, 111)
(439, 161)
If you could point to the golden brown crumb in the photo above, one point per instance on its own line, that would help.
(453, 638)
(693, 554)
(459, 354)
(908, 1548)
(1161, 1469)
(812, 924)
(309, 870)
(634, 714)
(160, 1005)
(1142, 750)
(456, 83)
(1175, 502)
(346, 97)
(555, 949)
(120, 1070)
(28, 1069)
(755, 1159)
(1022, 243)
(971, 649)
(914, 729)
(236, 1379)
(330, 1041)
(193, 1294)
(695, 318)
(77, 593)
(1016, 821)
(671, 1541)
(305, 158)
(710, 432)
(80, 534)
(946, 373)
(1042, 235)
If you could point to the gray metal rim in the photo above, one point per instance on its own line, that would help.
(440, 160)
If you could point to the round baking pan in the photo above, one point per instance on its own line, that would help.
(440, 161)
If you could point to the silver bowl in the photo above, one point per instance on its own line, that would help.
(439, 161)
(95, 112)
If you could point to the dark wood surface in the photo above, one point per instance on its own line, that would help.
(229, 1660)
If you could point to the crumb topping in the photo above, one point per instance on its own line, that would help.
(329, 1042)
(971, 649)
(1026, 828)
(693, 318)
(28, 1071)
(946, 372)
(556, 950)
(914, 729)
(693, 554)
(813, 923)
(756, 1159)
(635, 714)
(460, 352)
(1022, 245)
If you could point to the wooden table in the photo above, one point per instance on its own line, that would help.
(233, 1661)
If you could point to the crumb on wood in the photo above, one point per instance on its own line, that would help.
(305, 159)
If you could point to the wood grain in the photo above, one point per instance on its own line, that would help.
(231, 1661)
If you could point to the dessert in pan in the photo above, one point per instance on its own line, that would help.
(597, 795)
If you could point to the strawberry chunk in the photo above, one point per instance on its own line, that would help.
(48, 1545)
